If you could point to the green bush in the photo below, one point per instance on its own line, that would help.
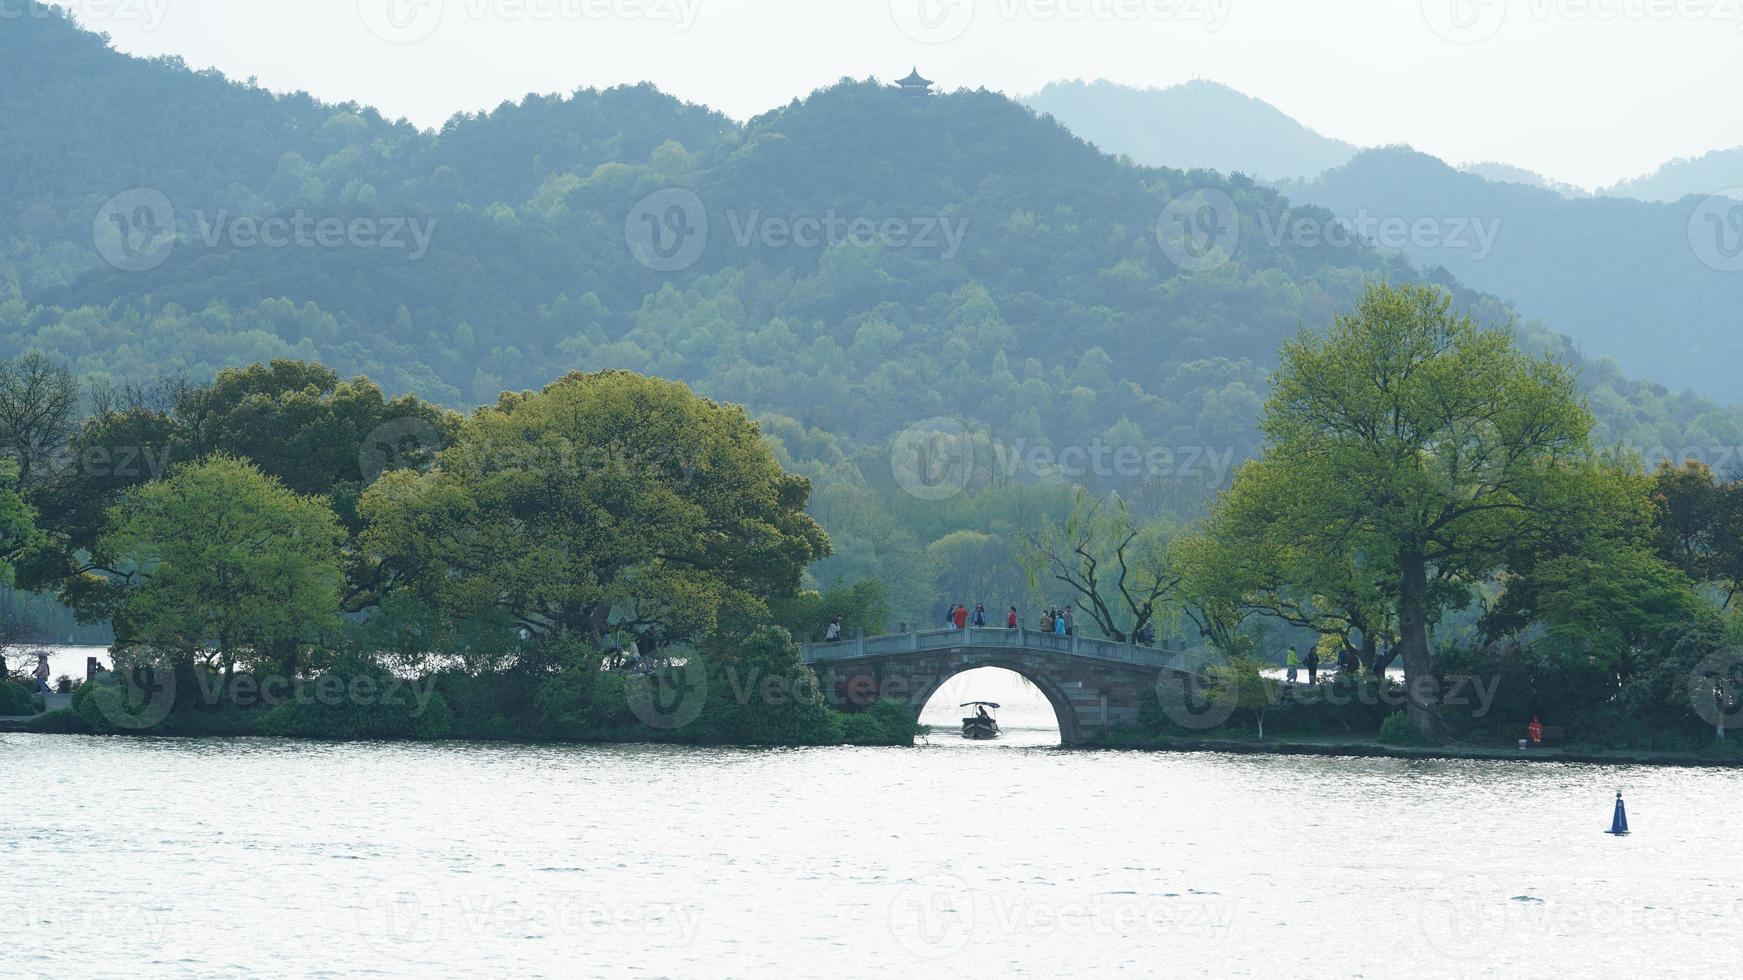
(108, 705)
(19, 697)
(358, 700)
(61, 721)
(888, 722)
(1396, 729)
(583, 701)
(759, 692)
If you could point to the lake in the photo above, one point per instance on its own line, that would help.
(226, 857)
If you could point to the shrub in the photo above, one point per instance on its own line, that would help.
(358, 700)
(19, 697)
(583, 701)
(1396, 729)
(888, 722)
(62, 721)
(759, 692)
(108, 705)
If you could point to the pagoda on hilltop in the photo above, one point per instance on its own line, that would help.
(914, 84)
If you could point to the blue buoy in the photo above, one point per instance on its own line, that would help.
(1619, 823)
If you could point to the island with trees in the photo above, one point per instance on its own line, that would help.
(614, 557)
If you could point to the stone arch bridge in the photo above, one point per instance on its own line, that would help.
(1094, 686)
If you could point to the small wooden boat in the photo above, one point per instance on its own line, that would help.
(980, 726)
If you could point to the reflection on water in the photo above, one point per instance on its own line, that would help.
(226, 857)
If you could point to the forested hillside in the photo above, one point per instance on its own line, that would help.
(1001, 270)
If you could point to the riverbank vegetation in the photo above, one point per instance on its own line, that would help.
(615, 557)
(1418, 469)
(280, 552)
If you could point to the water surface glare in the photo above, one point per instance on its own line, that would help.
(133, 857)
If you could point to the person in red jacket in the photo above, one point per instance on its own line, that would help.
(1011, 620)
(1535, 730)
(960, 616)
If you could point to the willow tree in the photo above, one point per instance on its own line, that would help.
(1406, 450)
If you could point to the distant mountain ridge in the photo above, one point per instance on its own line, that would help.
(1192, 125)
(1718, 172)
(1506, 173)
(1656, 286)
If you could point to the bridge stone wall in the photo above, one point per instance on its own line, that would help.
(1091, 696)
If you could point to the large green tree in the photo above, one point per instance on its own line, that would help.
(299, 423)
(606, 504)
(1413, 449)
(1242, 563)
(224, 565)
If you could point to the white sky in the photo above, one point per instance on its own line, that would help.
(1586, 91)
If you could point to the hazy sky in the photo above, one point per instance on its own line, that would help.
(1587, 91)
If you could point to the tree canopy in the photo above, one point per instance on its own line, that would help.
(605, 504)
(1407, 450)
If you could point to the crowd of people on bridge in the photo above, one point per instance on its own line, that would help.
(1058, 620)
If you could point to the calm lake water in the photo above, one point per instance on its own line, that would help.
(131, 857)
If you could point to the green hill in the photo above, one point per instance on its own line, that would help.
(846, 265)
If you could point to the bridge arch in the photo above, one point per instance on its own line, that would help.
(1094, 686)
(1057, 699)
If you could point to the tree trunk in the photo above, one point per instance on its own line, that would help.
(1421, 688)
(1369, 655)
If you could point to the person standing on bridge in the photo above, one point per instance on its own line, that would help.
(833, 633)
(1070, 624)
(1059, 625)
(1312, 666)
(960, 617)
(979, 616)
(1291, 663)
(1011, 620)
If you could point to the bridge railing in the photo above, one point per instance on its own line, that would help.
(1018, 639)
